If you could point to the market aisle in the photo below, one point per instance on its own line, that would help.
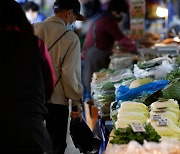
(70, 146)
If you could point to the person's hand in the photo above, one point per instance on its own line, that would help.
(77, 114)
(128, 44)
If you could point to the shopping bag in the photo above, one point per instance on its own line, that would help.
(81, 135)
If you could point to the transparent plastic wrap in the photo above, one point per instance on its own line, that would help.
(153, 148)
(168, 146)
(121, 75)
(116, 149)
(120, 62)
(117, 76)
(157, 72)
(103, 90)
(105, 111)
(156, 69)
(132, 148)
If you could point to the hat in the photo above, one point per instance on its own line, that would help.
(68, 5)
(119, 6)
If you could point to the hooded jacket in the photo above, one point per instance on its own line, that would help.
(66, 58)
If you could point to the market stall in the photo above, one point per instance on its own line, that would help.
(139, 103)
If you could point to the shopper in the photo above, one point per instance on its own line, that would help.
(26, 75)
(32, 12)
(100, 39)
(65, 54)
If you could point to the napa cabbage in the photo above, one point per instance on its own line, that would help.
(132, 116)
(124, 122)
(171, 103)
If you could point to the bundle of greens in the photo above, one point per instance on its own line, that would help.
(124, 136)
(107, 86)
(173, 75)
(106, 98)
(178, 60)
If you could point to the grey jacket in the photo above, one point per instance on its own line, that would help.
(67, 48)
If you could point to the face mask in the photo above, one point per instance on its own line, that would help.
(31, 15)
(71, 26)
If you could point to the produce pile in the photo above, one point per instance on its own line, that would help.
(125, 135)
(131, 112)
(143, 103)
(169, 111)
(163, 114)
(163, 120)
(103, 89)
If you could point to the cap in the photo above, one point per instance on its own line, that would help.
(119, 6)
(68, 5)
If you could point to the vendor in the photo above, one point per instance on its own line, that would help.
(100, 39)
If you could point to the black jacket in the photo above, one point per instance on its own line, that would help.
(22, 95)
(21, 81)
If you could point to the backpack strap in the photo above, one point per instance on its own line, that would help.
(61, 66)
(64, 55)
(57, 40)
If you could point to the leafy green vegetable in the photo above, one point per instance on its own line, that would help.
(108, 86)
(106, 98)
(150, 98)
(124, 136)
(172, 91)
(105, 108)
(146, 65)
(173, 75)
(114, 117)
(178, 60)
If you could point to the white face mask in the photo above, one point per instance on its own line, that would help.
(71, 26)
(31, 15)
(71, 22)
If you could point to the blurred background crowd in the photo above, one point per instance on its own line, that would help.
(39, 10)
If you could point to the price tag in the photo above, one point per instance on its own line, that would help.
(137, 127)
(156, 117)
(162, 122)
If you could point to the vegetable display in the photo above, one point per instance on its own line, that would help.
(124, 136)
(172, 91)
(173, 75)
